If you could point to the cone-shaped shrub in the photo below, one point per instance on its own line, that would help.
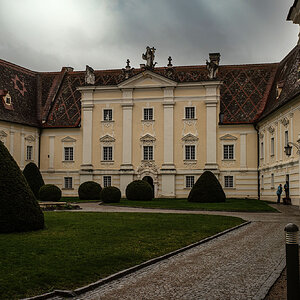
(19, 209)
(89, 190)
(34, 178)
(110, 194)
(207, 189)
(139, 190)
(49, 192)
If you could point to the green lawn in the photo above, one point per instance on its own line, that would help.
(231, 204)
(79, 248)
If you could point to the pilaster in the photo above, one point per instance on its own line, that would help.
(51, 153)
(243, 149)
(22, 150)
(12, 140)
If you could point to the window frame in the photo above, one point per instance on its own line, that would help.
(228, 181)
(107, 180)
(29, 157)
(107, 156)
(190, 155)
(110, 114)
(227, 154)
(67, 181)
(189, 181)
(272, 146)
(147, 154)
(146, 116)
(190, 112)
(68, 156)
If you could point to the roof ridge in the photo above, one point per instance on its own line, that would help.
(19, 68)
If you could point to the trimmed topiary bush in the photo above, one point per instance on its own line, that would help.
(89, 190)
(139, 190)
(34, 178)
(207, 189)
(49, 192)
(19, 209)
(110, 194)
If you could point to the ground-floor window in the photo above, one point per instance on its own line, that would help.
(68, 182)
(228, 181)
(189, 181)
(106, 181)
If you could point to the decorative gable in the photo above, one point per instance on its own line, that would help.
(147, 138)
(30, 138)
(228, 137)
(147, 79)
(107, 139)
(189, 138)
(68, 139)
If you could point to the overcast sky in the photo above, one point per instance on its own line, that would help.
(44, 35)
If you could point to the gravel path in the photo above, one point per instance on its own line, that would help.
(242, 264)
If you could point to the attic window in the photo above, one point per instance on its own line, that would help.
(7, 101)
(279, 87)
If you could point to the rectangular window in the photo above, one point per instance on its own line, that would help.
(148, 152)
(107, 153)
(106, 181)
(228, 151)
(190, 112)
(68, 153)
(262, 182)
(189, 181)
(68, 182)
(286, 138)
(262, 150)
(29, 153)
(228, 181)
(148, 114)
(107, 114)
(190, 152)
(272, 180)
(272, 146)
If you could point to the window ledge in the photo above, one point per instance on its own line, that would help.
(230, 188)
(147, 121)
(228, 159)
(107, 121)
(29, 159)
(148, 160)
(68, 161)
(185, 119)
(190, 161)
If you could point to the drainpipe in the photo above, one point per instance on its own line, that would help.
(39, 156)
(258, 172)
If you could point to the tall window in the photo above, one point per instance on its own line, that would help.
(272, 180)
(286, 138)
(190, 152)
(148, 114)
(107, 153)
(228, 181)
(272, 146)
(29, 153)
(190, 112)
(107, 114)
(189, 181)
(262, 181)
(228, 152)
(68, 153)
(106, 181)
(148, 152)
(68, 182)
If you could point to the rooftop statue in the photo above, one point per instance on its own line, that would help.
(149, 57)
(213, 65)
(89, 76)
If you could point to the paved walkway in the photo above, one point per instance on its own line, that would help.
(239, 265)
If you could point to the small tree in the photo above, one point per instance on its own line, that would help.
(139, 190)
(19, 210)
(89, 190)
(34, 178)
(110, 194)
(207, 189)
(50, 192)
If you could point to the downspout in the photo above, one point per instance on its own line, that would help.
(39, 154)
(258, 156)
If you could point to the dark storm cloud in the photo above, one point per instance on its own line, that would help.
(104, 34)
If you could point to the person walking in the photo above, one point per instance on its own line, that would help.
(279, 191)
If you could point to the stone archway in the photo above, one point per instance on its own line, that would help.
(150, 181)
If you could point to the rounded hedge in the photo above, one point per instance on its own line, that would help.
(34, 178)
(110, 194)
(89, 190)
(207, 189)
(139, 190)
(19, 209)
(49, 192)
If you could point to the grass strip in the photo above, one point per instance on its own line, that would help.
(79, 248)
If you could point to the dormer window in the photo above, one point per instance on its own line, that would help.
(7, 100)
(279, 87)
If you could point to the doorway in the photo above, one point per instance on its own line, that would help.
(150, 181)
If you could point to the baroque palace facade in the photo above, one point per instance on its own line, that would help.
(166, 125)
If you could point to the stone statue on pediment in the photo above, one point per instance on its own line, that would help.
(213, 65)
(89, 76)
(149, 56)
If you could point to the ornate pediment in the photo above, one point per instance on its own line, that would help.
(68, 139)
(271, 129)
(228, 137)
(30, 138)
(107, 139)
(285, 122)
(3, 134)
(147, 138)
(147, 79)
(189, 138)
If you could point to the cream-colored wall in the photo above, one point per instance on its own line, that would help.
(275, 125)
(16, 138)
